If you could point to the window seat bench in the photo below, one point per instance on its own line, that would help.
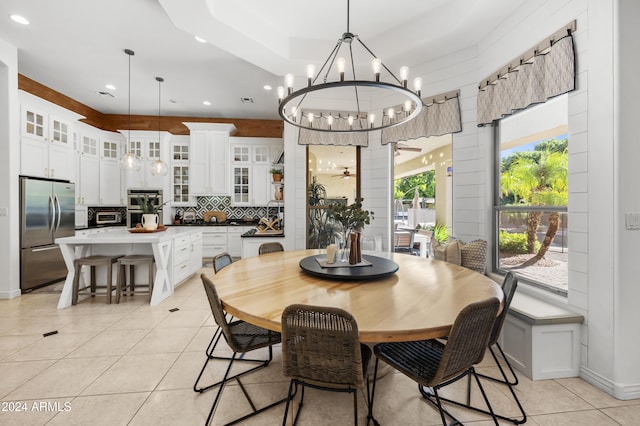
(542, 340)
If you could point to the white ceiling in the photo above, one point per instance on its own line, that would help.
(76, 46)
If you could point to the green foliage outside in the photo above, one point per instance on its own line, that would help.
(440, 233)
(536, 177)
(515, 243)
(425, 182)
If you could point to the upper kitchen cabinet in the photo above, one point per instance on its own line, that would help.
(209, 152)
(179, 170)
(111, 191)
(147, 146)
(46, 142)
(251, 159)
(88, 185)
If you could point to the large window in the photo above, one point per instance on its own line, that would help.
(531, 195)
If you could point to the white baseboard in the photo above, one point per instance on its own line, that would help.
(617, 390)
(12, 294)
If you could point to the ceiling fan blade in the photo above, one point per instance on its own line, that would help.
(410, 148)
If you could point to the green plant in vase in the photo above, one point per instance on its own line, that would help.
(148, 204)
(352, 217)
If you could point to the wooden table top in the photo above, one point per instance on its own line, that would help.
(420, 301)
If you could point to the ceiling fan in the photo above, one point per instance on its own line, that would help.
(346, 174)
(397, 147)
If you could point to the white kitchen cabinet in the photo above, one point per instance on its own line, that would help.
(250, 245)
(149, 147)
(110, 186)
(234, 239)
(196, 252)
(250, 162)
(209, 163)
(209, 158)
(180, 174)
(181, 258)
(214, 241)
(89, 180)
(46, 146)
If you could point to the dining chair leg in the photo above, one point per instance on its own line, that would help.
(370, 393)
(505, 380)
(219, 394)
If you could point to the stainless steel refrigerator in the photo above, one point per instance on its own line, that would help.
(47, 212)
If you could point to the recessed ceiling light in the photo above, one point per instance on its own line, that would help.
(200, 39)
(19, 19)
(267, 87)
(110, 86)
(207, 103)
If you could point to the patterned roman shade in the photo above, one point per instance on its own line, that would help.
(313, 137)
(440, 115)
(534, 81)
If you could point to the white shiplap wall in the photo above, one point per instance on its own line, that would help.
(596, 225)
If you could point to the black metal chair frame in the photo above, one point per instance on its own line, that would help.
(509, 286)
(467, 323)
(297, 382)
(227, 329)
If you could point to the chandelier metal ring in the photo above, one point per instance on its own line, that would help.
(296, 117)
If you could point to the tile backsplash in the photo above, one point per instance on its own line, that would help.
(223, 203)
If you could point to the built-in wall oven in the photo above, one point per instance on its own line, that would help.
(134, 212)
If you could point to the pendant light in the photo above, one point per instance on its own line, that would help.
(159, 167)
(129, 161)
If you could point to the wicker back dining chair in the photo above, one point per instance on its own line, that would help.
(221, 260)
(270, 248)
(321, 349)
(241, 337)
(434, 364)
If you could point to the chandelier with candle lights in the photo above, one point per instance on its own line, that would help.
(335, 100)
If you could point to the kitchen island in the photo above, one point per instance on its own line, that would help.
(177, 252)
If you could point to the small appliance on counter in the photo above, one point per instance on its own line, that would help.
(189, 217)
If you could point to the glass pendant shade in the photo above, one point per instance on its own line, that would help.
(159, 168)
(130, 162)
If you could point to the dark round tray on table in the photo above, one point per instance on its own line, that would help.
(379, 268)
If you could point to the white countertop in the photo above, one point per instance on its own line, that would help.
(126, 237)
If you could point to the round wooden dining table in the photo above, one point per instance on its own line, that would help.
(420, 301)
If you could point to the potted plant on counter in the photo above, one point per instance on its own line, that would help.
(149, 212)
(277, 174)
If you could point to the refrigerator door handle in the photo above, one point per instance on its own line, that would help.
(57, 201)
(53, 213)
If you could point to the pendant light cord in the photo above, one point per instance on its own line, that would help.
(130, 53)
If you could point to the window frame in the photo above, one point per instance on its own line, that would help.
(497, 209)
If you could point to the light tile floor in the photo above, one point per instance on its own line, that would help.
(133, 364)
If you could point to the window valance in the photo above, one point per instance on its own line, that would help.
(440, 115)
(311, 137)
(549, 72)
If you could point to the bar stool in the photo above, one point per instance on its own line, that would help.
(93, 262)
(132, 261)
